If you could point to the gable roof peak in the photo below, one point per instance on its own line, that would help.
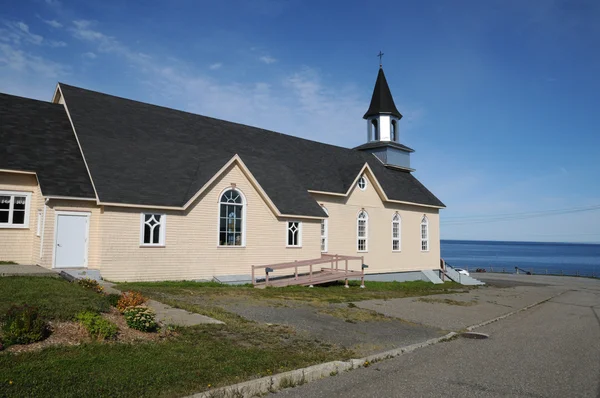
(382, 100)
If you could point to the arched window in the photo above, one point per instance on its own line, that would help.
(393, 134)
(375, 127)
(232, 218)
(396, 232)
(324, 231)
(424, 234)
(362, 231)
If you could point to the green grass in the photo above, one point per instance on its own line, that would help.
(56, 298)
(331, 293)
(188, 362)
(8, 263)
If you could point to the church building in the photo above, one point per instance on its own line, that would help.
(139, 192)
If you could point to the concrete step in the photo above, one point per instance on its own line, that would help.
(80, 273)
(462, 279)
(432, 276)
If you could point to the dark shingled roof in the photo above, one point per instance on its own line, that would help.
(139, 153)
(381, 144)
(36, 136)
(382, 100)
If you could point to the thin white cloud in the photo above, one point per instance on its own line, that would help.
(54, 43)
(267, 59)
(18, 32)
(53, 23)
(83, 30)
(54, 3)
(89, 55)
(215, 66)
(13, 59)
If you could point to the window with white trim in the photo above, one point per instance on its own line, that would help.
(324, 231)
(393, 133)
(153, 229)
(362, 183)
(231, 218)
(396, 232)
(424, 234)
(362, 231)
(294, 233)
(14, 209)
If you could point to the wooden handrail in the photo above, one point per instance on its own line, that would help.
(331, 259)
(341, 257)
(325, 258)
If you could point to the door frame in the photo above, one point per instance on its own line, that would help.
(87, 214)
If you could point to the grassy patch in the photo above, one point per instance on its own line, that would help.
(198, 357)
(330, 293)
(8, 263)
(56, 298)
(188, 362)
(448, 301)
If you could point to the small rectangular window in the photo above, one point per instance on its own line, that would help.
(424, 234)
(153, 229)
(14, 209)
(294, 233)
(396, 232)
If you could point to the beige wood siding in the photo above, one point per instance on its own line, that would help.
(342, 231)
(21, 244)
(191, 244)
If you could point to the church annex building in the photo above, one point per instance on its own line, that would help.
(140, 192)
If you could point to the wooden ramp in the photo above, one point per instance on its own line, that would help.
(328, 268)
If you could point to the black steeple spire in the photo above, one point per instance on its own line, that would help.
(382, 101)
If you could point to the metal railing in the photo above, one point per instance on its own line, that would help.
(534, 271)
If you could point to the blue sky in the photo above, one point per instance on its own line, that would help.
(500, 98)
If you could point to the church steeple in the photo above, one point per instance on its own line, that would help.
(382, 101)
(383, 138)
(382, 116)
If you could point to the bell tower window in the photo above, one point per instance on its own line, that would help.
(393, 133)
(375, 127)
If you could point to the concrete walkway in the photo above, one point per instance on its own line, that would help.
(25, 270)
(458, 311)
(166, 314)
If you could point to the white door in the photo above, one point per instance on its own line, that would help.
(71, 240)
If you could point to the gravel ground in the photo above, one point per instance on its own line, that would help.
(484, 303)
(551, 350)
(364, 337)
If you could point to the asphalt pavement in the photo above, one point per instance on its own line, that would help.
(550, 350)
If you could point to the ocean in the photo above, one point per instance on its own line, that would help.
(537, 257)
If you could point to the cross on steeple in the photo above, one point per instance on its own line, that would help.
(380, 55)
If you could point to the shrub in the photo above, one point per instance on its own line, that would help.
(130, 299)
(91, 284)
(113, 299)
(23, 325)
(140, 318)
(97, 326)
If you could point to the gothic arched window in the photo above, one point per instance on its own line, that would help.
(232, 213)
